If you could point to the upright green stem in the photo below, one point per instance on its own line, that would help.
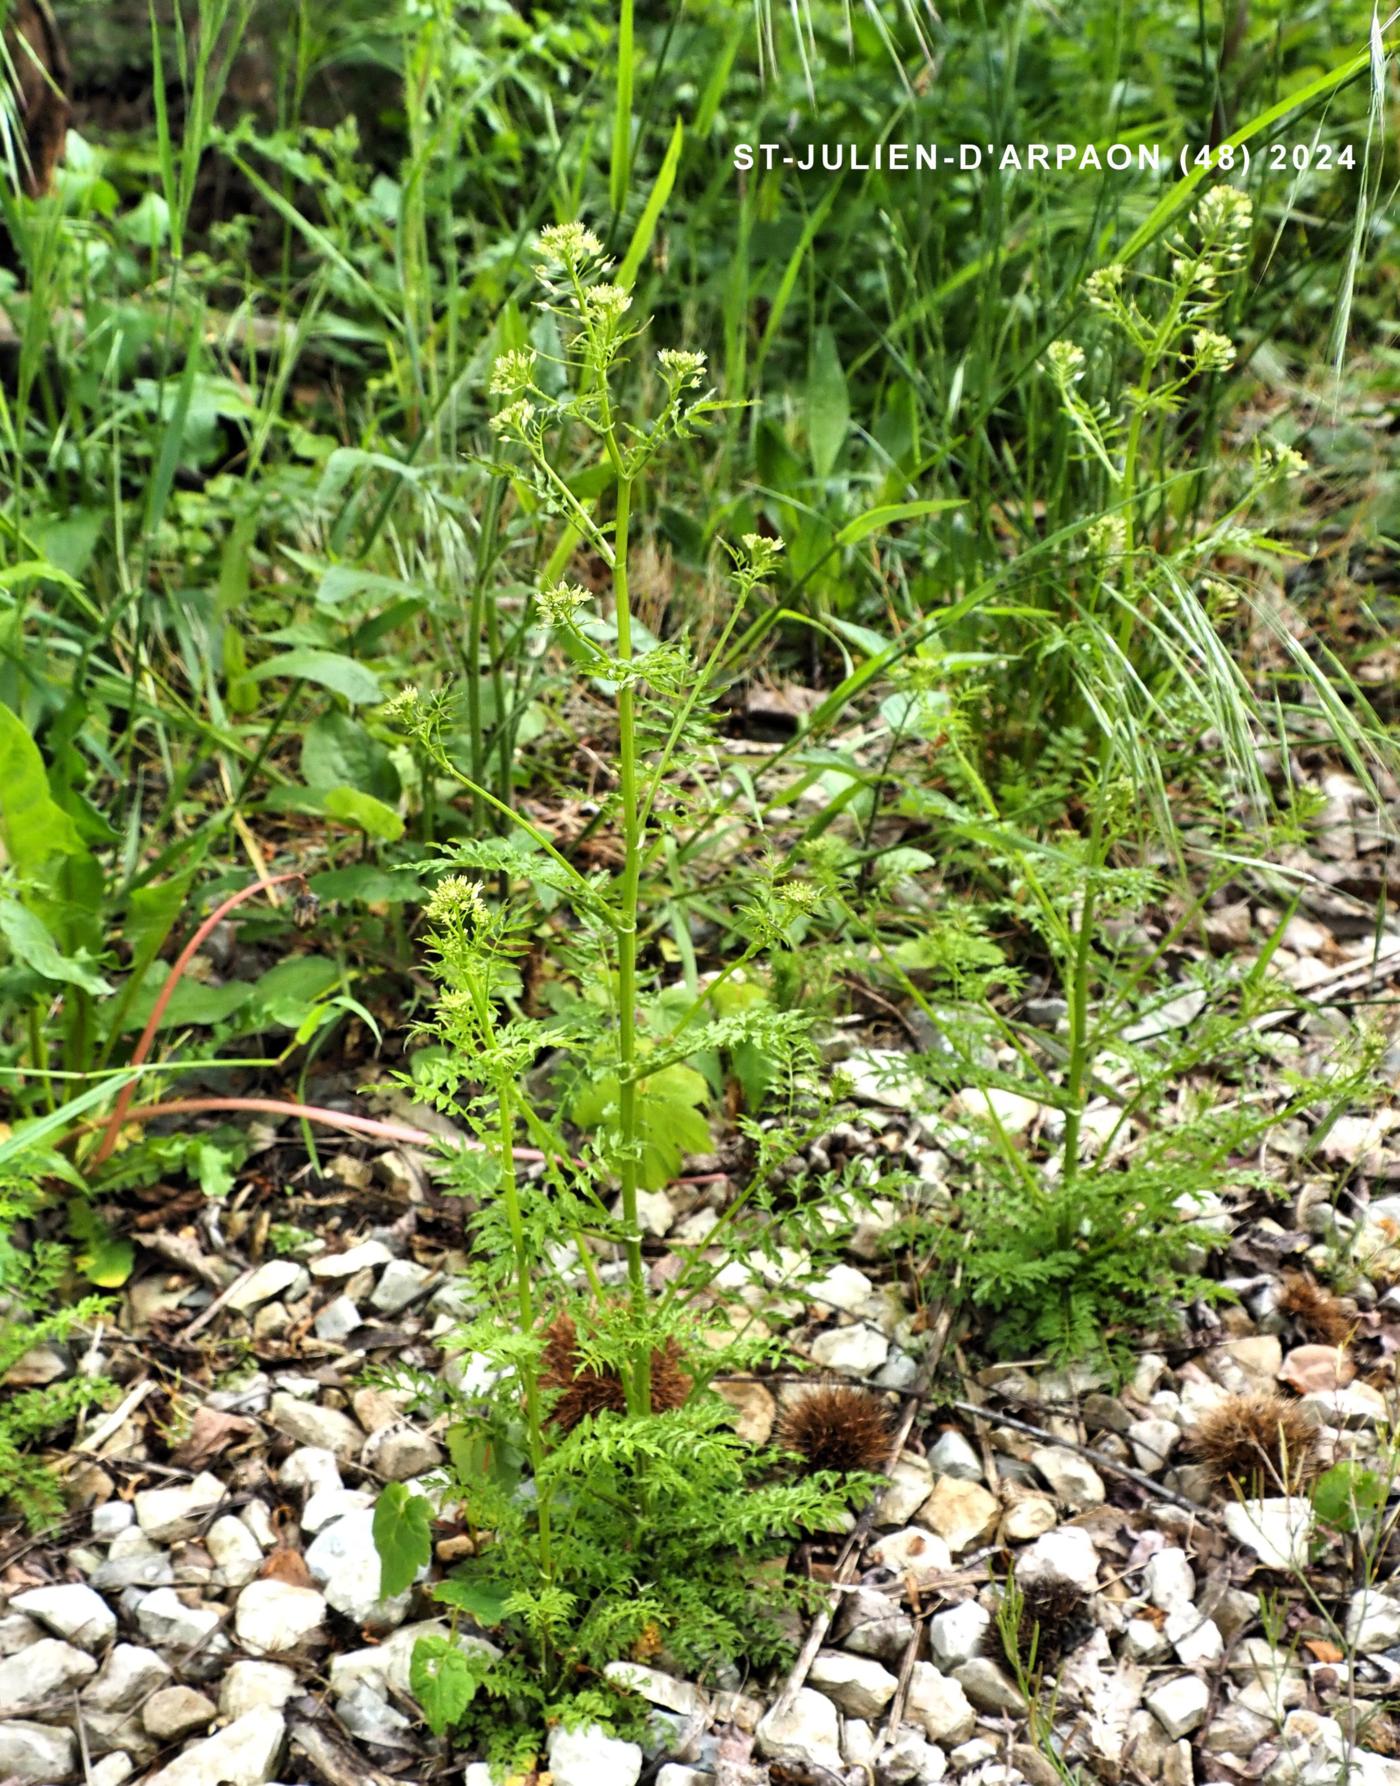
(525, 1304)
(639, 1383)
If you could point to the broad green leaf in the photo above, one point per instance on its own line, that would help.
(480, 1600)
(828, 403)
(285, 993)
(889, 514)
(215, 1170)
(103, 1257)
(368, 884)
(190, 1003)
(442, 1680)
(328, 669)
(33, 827)
(669, 1125)
(402, 1536)
(364, 812)
(1347, 1495)
(33, 947)
(337, 751)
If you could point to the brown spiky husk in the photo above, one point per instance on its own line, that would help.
(835, 1426)
(1323, 1317)
(584, 1391)
(1055, 1619)
(1262, 1443)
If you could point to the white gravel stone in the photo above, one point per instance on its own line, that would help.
(247, 1685)
(337, 1320)
(1153, 1442)
(859, 1350)
(909, 1485)
(589, 1757)
(164, 1618)
(343, 1559)
(1179, 1705)
(913, 1760)
(1013, 1113)
(1168, 1580)
(244, 1753)
(17, 1633)
(963, 1513)
(330, 1504)
(1373, 1621)
(673, 1774)
(42, 1672)
(235, 1551)
(275, 1278)
(807, 1731)
(176, 1711)
(130, 1672)
(398, 1452)
(402, 1282)
(1028, 1517)
(843, 1287)
(1144, 1641)
(860, 1686)
(368, 1254)
(1064, 1557)
(956, 1636)
(165, 1514)
(36, 1752)
(70, 1610)
(1196, 1640)
(939, 1703)
(990, 1688)
(914, 1551)
(112, 1517)
(112, 1770)
(1077, 1484)
(952, 1455)
(310, 1424)
(1276, 1529)
(659, 1688)
(273, 1616)
(311, 1468)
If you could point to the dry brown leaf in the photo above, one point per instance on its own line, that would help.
(211, 1431)
(286, 1565)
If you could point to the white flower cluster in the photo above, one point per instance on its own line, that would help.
(559, 605)
(1064, 361)
(512, 372)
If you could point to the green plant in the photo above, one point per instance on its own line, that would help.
(623, 1511)
(36, 1311)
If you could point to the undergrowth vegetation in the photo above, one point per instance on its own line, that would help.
(606, 622)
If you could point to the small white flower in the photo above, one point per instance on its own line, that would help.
(1064, 361)
(1213, 352)
(512, 371)
(456, 900)
(559, 606)
(1284, 461)
(514, 419)
(569, 244)
(760, 552)
(1225, 213)
(1107, 536)
(680, 367)
(607, 303)
(1102, 288)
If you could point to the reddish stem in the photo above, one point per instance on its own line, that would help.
(182, 961)
(331, 1119)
